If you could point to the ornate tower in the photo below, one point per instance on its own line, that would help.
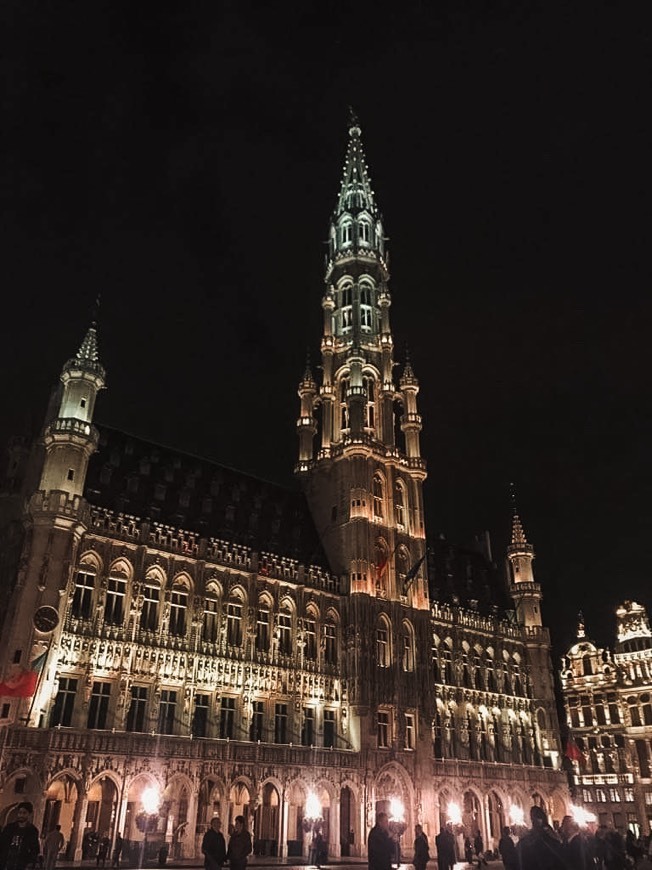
(364, 477)
(57, 518)
(526, 594)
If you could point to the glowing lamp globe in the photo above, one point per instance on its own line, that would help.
(396, 810)
(151, 800)
(313, 807)
(454, 814)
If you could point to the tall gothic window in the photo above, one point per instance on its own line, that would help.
(167, 711)
(383, 653)
(262, 629)
(281, 723)
(378, 496)
(399, 505)
(310, 638)
(234, 623)
(137, 709)
(82, 601)
(346, 233)
(114, 608)
(383, 729)
(285, 633)
(407, 640)
(369, 383)
(329, 728)
(149, 613)
(209, 625)
(227, 718)
(308, 727)
(199, 725)
(344, 407)
(178, 607)
(366, 309)
(330, 643)
(364, 231)
(257, 721)
(98, 707)
(346, 308)
(64, 702)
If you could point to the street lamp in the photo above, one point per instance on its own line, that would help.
(517, 818)
(583, 817)
(454, 814)
(397, 824)
(147, 820)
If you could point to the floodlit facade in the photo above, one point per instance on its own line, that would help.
(608, 702)
(229, 647)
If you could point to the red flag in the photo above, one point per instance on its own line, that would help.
(574, 753)
(23, 683)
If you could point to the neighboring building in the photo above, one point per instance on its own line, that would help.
(236, 645)
(608, 701)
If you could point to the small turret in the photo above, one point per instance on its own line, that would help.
(410, 421)
(70, 438)
(306, 423)
(523, 589)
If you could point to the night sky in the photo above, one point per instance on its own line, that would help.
(184, 165)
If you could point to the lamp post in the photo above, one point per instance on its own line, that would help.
(456, 822)
(312, 821)
(147, 819)
(397, 824)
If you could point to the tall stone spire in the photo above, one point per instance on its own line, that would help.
(367, 454)
(520, 555)
(70, 438)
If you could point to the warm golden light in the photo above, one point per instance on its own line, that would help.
(581, 816)
(454, 814)
(516, 815)
(313, 807)
(396, 810)
(151, 800)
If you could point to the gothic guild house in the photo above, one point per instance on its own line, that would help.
(608, 701)
(183, 641)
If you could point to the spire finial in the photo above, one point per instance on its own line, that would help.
(581, 631)
(518, 533)
(95, 312)
(354, 121)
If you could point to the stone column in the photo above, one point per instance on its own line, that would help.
(78, 823)
(334, 843)
(283, 839)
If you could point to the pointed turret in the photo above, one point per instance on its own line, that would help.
(356, 194)
(70, 438)
(411, 423)
(525, 592)
(306, 423)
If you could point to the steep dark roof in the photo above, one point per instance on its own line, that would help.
(133, 476)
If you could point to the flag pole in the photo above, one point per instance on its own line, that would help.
(40, 679)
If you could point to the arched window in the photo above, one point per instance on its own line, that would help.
(369, 383)
(310, 636)
(346, 232)
(82, 600)
(490, 673)
(478, 676)
(587, 665)
(234, 622)
(366, 308)
(114, 606)
(330, 642)
(407, 652)
(447, 661)
(149, 615)
(344, 407)
(284, 630)
(346, 307)
(400, 505)
(378, 496)
(178, 609)
(364, 231)
(209, 624)
(402, 568)
(262, 626)
(383, 640)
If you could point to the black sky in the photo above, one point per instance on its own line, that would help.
(183, 163)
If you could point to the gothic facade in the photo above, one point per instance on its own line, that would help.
(238, 647)
(608, 703)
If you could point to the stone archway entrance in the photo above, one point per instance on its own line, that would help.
(267, 820)
(347, 823)
(239, 800)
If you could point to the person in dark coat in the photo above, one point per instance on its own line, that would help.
(239, 845)
(478, 845)
(117, 850)
(445, 843)
(381, 849)
(19, 844)
(576, 852)
(421, 850)
(507, 851)
(213, 846)
(540, 848)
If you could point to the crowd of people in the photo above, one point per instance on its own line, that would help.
(540, 848)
